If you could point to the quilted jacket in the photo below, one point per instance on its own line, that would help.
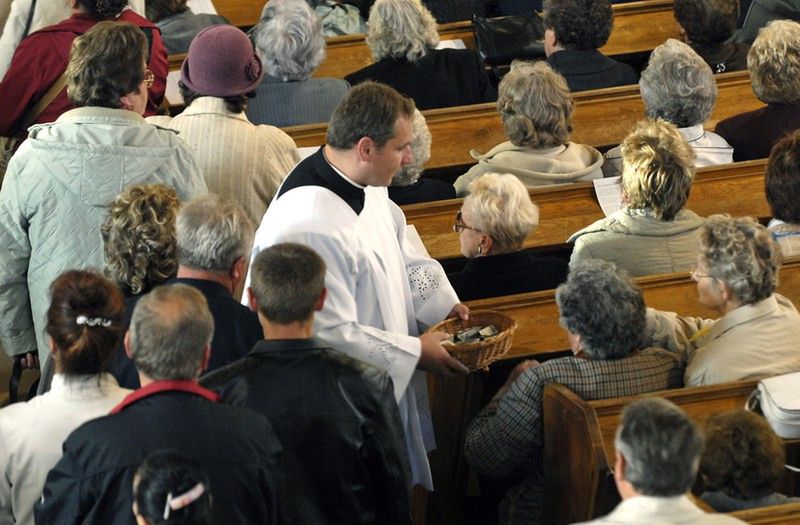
(54, 199)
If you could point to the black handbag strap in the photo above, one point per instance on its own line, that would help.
(30, 19)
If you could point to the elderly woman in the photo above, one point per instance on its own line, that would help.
(240, 161)
(782, 182)
(24, 85)
(407, 185)
(742, 466)
(678, 86)
(139, 237)
(758, 333)
(84, 324)
(178, 24)
(536, 109)
(774, 64)
(59, 184)
(493, 223)
(707, 26)
(574, 29)
(654, 233)
(290, 44)
(603, 313)
(402, 37)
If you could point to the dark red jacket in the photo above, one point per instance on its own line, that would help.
(41, 58)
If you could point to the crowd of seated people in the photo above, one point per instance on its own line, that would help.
(245, 412)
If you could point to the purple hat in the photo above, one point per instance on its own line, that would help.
(221, 63)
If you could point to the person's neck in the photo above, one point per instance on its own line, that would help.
(225, 280)
(295, 330)
(145, 380)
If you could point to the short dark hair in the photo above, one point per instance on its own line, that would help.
(103, 9)
(287, 279)
(233, 103)
(170, 329)
(579, 24)
(661, 447)
(85, 321)
(744, 457)
(369, 110)
(707, 21)
(157, 10)
(106, 63)
(167, 472)
(782, 179)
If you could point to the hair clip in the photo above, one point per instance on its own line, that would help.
(187, 498)
(93, 321)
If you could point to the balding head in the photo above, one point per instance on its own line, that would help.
(170, 331)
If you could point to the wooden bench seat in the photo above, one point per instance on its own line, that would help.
(602, 118)
(565, 209)
(776, 515)
(579, 444)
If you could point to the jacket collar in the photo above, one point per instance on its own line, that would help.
(322, 174)
(507, 261)
(269, 346)
(156, 387)
(744, 314)
(208, 288)
(212, 106)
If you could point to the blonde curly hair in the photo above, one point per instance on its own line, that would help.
(774, 63)
(401, 29)
(139, 239)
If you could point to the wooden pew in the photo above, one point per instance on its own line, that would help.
(241, 13)
(777, 515)
(579, 443)
(638, 27)
(455, 401)
(602, 117)
(565, 209)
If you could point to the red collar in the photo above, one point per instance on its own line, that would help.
(182, 385)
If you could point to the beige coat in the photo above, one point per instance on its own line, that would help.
(639, 243)
(753, 341)
(536, 167)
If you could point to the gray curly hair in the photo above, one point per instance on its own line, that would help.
(401, 29)
(741, 253)
(603, 306)
(420, 152)
(678, 85)
(289, 40)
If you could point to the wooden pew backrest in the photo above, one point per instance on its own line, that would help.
(776, 515)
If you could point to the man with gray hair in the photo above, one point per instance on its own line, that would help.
(169, 342)
(658, 453)
(214, 237)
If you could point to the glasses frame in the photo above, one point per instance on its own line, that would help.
(460, 226)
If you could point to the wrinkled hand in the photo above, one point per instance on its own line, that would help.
(435, 358)
(459, 310)
(28, 361)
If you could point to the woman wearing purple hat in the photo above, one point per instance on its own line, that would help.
(240, 160)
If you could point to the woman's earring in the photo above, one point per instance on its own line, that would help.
(480, 249)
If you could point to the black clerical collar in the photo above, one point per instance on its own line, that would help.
(316, 171)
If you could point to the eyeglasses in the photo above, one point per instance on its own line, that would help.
(149, 78)
(696, 275)
(459, 225)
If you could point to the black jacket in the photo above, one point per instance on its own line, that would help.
(753, 134)
(236, 330)
(507, 274)
(237, 447)
(441, 79)
(338, 423)
(590, 69)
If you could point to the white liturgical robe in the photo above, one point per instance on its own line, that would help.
(379, 288)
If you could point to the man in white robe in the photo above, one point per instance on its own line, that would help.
(380, 288)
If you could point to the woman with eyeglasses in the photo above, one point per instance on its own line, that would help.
(42, 57)
(493, 223)
(60, 182)
(758, 332)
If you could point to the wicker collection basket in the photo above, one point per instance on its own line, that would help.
(479, 355)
